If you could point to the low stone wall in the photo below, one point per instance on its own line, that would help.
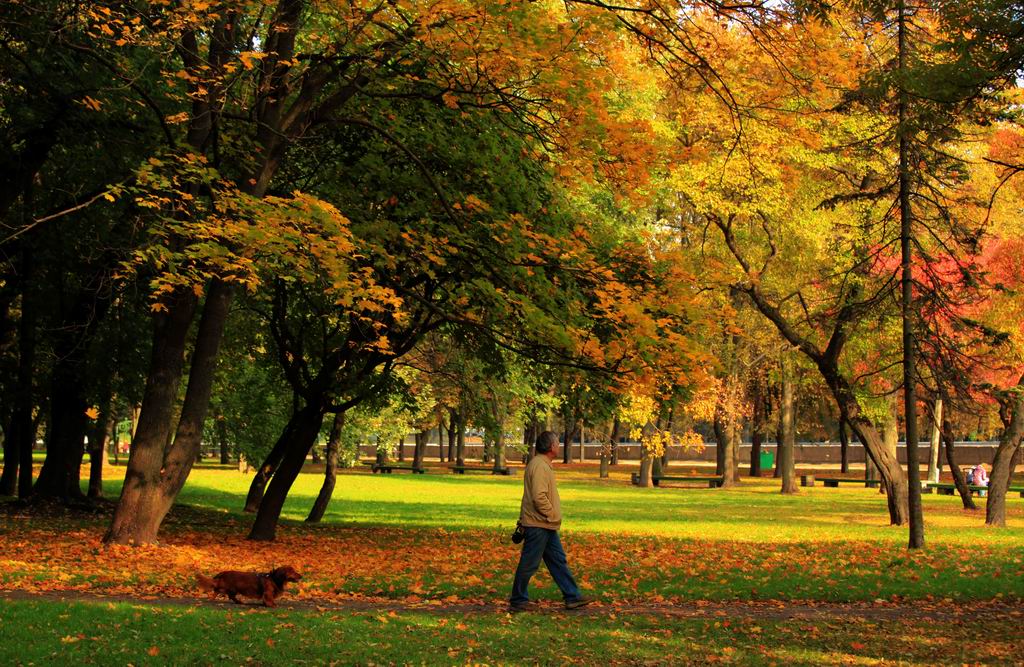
(967, 453)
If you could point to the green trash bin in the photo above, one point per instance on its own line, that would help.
(767, 459)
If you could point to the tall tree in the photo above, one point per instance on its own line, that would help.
(330, 470)
(248, 84)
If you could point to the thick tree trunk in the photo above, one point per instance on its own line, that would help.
(646, 466)
(607, 453)
(889, 441)
(657, 467)
(188, 437)
(499, 452)
(9, 341)
(453, 427)
(934, 465)
(616, 427)
(891, 432)
(65, 438)
(787, 446)
(757, 434)
(670, 429)
(401, 448)
(735, 440)
(440, 440)
(958, 476)
(270, 464)
(719, 430)
(497, 442)
(222, 440)
(777, 470)
(307, 429)
(9, 478)
(22, 431)
(844, 447)
(97, 458)
(98, 440)
(893, 478)
(158, 473)
(460, 442)
(723, 447)
(330, 471)
(141, 502)
(27, 429)
(569, 420)
(870, 467)
(420, 453)
(756, 440)
(583, 443)
(1003, 462)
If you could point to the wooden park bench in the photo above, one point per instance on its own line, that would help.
(949, 489)
(462, 470)
(712, 482)
(836, 481)
(389, 467)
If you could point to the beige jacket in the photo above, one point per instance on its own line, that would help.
(541, 507)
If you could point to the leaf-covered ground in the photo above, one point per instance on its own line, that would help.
(445, 538)
(476, 565)
(440, 543)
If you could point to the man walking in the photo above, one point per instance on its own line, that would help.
(541, 516)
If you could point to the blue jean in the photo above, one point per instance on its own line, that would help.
(542, 544)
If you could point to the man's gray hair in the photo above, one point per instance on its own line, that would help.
(546, 441)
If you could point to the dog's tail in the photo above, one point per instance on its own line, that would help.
(205, 583)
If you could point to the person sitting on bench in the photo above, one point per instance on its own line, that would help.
(979, 477)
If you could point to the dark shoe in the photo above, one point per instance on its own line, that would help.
(519, 607)
(576, 604)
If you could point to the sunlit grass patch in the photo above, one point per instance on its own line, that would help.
(753, 512)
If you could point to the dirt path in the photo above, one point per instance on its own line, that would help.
(771, 611)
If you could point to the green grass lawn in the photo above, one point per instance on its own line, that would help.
(121, 634)
(444, 537)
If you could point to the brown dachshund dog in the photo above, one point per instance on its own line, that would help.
(267, 586)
